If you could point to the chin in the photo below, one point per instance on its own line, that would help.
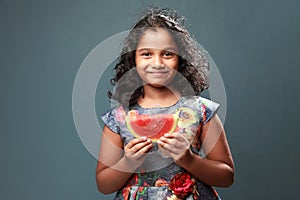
(157, 85)
(160, 85)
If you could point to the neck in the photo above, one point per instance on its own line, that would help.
(158, 96)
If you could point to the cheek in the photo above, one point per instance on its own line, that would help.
(173, 64)
(136, 60)
(139, 70)
(139, 61)
(173, 74)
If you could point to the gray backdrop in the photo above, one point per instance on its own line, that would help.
(255, 45)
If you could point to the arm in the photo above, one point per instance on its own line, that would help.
(115, 165)
(217, 168)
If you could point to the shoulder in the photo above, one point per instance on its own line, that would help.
(206, 107)
(114, 117)
(112, 112)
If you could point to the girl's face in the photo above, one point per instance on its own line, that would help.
(156, 57)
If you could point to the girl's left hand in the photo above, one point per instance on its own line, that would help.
(175, 145)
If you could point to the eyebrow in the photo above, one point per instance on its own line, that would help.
(164, 49)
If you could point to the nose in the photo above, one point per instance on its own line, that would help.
(157, 61)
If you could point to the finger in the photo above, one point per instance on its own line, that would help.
(171, 141)
(176, 135)
(138, 146)
(143, 151)
(142, 147)
(165, 145)
(173, 152)
(169, 135)
(135, 141)
(168, 152)
(180, 137)
(176, 148)
(164, 152)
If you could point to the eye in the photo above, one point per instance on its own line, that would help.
(168, 54)
(146, 54)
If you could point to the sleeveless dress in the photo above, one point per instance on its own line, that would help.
(159, 178)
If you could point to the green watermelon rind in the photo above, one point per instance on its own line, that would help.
(153, 139)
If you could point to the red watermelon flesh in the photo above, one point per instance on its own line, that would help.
(152, 126)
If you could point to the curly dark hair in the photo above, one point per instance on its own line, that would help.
(192, 65)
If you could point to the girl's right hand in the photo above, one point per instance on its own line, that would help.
(135, 151)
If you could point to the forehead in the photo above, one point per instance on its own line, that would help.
(157, 39)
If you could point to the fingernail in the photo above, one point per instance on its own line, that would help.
(143, 138)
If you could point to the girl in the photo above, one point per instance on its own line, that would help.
(171, 160)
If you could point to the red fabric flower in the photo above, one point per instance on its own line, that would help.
(161, 182)
(120, 114)
(126, 192)
(203, 109)
(182, 184)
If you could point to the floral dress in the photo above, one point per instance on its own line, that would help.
(159, 178)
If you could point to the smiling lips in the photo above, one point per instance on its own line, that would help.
(158, 73)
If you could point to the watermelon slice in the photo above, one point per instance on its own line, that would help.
(152, 126)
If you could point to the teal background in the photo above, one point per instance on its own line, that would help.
(255, 45)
